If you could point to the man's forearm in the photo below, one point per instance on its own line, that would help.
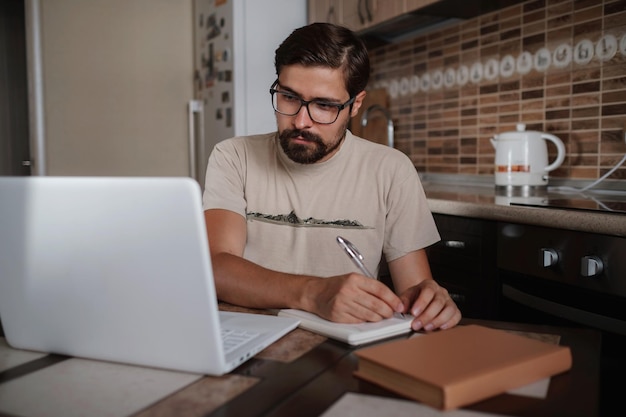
(241, 282)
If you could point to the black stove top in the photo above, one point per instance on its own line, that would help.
(583, 204)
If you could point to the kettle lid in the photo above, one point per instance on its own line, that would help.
(521, 127)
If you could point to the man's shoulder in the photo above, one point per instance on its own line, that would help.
(377, 150)
(263, 139)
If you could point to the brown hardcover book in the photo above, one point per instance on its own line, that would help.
(453, 368)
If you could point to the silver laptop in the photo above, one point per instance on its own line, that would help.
(118, 269)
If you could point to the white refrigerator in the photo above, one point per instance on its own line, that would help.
(147, 87)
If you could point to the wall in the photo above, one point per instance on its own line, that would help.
(444, 116)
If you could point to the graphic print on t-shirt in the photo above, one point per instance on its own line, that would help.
(292, 219)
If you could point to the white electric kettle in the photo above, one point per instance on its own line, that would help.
(522, 157)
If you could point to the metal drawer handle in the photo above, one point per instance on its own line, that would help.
(459, 298)
(457, 244)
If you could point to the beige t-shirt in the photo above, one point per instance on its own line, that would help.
(368, 193)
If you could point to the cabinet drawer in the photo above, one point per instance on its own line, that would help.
(455, 247)
(463, 262)
(463, 225)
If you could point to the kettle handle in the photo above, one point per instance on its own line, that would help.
(560, 157)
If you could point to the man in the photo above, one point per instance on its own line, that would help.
(275, 203)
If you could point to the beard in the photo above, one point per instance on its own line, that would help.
(304, 154)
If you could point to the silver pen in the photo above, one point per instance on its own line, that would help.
(357, 258)
(355, 255)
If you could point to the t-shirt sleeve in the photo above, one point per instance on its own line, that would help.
(225, 176)
(410, 225)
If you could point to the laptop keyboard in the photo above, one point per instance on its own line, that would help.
(234, 338)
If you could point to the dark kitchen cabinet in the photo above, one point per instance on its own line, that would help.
(362, 14)
(329, 11)
(464, 262)
(380, 22)
(358, 14)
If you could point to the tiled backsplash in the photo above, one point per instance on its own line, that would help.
(559, 66)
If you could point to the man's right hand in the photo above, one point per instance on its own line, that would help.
(351, 298)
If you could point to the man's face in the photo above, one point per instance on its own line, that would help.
(303, 140)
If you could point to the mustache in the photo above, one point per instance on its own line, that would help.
(305, 134)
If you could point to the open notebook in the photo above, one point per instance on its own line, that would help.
(352, 334)
(117, 269)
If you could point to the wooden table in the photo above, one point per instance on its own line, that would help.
(304, 374)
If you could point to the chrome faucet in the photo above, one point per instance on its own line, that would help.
(377, 107)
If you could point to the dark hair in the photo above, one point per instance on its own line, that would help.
(327, 45)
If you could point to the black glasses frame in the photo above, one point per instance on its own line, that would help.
(306, 103)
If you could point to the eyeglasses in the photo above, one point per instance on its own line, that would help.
(321, 112)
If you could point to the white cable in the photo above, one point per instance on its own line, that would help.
(596, 182)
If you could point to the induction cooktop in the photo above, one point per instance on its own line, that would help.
(583, 204)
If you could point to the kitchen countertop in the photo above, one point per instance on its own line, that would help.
(477, 197)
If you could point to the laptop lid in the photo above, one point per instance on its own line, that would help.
(114, 268)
